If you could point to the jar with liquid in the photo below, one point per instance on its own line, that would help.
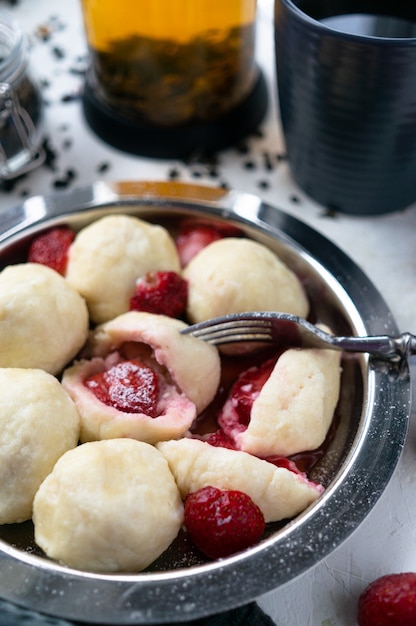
(20, 104)
(168, 77)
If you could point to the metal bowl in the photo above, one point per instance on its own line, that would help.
(372, 414)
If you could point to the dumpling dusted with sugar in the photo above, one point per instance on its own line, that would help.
(108, 506)
(232, 275)
(38, 424)
(43, 320)
(294, 408)
(110, 255)
(141, 378)
(277, 491)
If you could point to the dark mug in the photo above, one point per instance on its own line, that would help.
(346, 77)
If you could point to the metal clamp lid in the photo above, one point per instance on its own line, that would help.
(16, 120)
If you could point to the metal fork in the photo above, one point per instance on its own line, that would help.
(288, 330)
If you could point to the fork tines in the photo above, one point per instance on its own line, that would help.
(232, 331)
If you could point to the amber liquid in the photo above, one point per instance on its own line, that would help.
(171, 61)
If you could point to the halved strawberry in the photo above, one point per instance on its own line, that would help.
(128, 386)
(235, 414)
(221, 522)
(163, 293)
(51, 248)
(389, 601)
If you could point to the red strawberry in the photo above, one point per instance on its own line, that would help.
(235, 413)
(194, 238)
(219, 439)
(129, 386)
(222, 522)
(285, 462)
(164, 293)
(51, 248)
(389, 601)
(247, 388)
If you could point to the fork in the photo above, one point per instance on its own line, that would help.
(288, 330)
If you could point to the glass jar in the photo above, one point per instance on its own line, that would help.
(20, 104)
(170, 69)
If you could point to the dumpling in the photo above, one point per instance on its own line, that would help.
(108, 506)
(278, 492)
(108, 256)
(295, 407)
(43, 320)
(188, 372)
(232, 275)
(38, 424)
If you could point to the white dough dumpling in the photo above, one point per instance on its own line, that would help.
(108, 506)
(107, 257)
(234, 275)
(38, 424)
(278, 492)
(187, 370)
(43, 320)
(295, 407)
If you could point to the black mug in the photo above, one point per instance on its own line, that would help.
(346, 77)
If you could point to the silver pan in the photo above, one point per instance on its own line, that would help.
(373, 416)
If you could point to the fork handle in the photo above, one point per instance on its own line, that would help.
(382, 346)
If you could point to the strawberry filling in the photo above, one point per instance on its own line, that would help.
(163, 293)
(127, 396)
(234, 417)
(193, 239)
(128, 386)
(194, 236)
(51, 248)
(219, 439)
(286, 463)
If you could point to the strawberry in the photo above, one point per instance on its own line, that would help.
(222, 522)
(129, 386)
(51, 248)
(219, 439)
(164, 293)
(194, 238)
(389, 601)
(247, 388)
(285, 462)
(236, 411)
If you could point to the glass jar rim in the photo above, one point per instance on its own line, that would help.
(11, 48)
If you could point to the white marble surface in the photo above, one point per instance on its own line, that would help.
(383, 246)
